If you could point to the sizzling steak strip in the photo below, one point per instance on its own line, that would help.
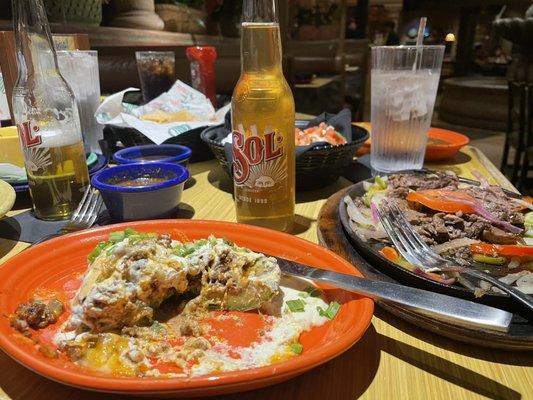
(436, 228)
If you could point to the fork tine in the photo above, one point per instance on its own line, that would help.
(410, 250)
(94, 211)
(82, 203)
(403, 221)
(79, 217)
(90, 207)
(394, 235)
(419, 246)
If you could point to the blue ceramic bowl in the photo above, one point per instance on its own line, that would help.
(134, 192)
(167, 153)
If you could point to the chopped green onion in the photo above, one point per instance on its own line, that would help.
(331, 311)
(297, 348)
(303, 294)
(134, 238)
(313, 291)
(228, 242)
(183, 250)
(186, 249)
(97, 250)
(129, 232)
(110, 248)
(157, 327)
(116, 236)
(296, 305)
(148, 235)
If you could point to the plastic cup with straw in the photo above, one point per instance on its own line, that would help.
(419, 43)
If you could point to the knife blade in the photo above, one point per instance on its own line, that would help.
(435, 305)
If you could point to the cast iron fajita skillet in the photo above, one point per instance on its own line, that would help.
(370, 251)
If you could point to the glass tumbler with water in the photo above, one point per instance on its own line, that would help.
(404, 82)
(80, 69)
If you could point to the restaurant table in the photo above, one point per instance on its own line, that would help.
(393, 360)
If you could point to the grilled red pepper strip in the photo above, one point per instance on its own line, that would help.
(449, 201)
(501, 249)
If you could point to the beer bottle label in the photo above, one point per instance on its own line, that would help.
(259, 162)
(36, 157)
(29, 134)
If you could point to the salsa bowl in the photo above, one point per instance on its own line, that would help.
(141, 191)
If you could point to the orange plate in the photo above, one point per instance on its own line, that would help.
(453, 142)
(51, 264)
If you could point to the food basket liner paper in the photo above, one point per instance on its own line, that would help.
(180, 97)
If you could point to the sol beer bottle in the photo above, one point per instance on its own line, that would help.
(47, 118)
(263, 124)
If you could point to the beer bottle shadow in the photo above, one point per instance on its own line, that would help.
(301, 224)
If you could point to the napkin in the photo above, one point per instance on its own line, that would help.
(180, 97)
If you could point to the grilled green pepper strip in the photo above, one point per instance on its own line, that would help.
(483, 258)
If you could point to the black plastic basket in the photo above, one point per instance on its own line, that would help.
(316, 168)
(129, 137)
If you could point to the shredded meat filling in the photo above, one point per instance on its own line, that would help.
(36, 314)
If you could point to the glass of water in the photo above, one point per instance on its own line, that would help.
(404, 82)
(80, 69)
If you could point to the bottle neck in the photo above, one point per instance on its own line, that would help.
(260, 40)
(261, 48)
(34, 47)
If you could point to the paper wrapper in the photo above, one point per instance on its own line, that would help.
(181, 98)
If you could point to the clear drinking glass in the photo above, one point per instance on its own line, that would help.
(80, 69)
(404, 82)
(156, 72)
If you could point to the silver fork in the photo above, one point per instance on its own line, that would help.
(83, 217)
(417, 252)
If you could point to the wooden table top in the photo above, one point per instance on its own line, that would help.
(316, 83)
(392, 360)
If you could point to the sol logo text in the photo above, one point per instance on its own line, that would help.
(251, 151)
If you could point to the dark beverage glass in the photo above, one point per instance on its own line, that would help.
(156, 72)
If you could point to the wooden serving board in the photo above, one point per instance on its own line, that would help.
(331, 235)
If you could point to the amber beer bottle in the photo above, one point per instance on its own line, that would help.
(263, 124)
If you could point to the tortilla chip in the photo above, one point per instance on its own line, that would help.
(162, 117)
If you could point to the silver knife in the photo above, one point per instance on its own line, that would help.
(444, 308)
